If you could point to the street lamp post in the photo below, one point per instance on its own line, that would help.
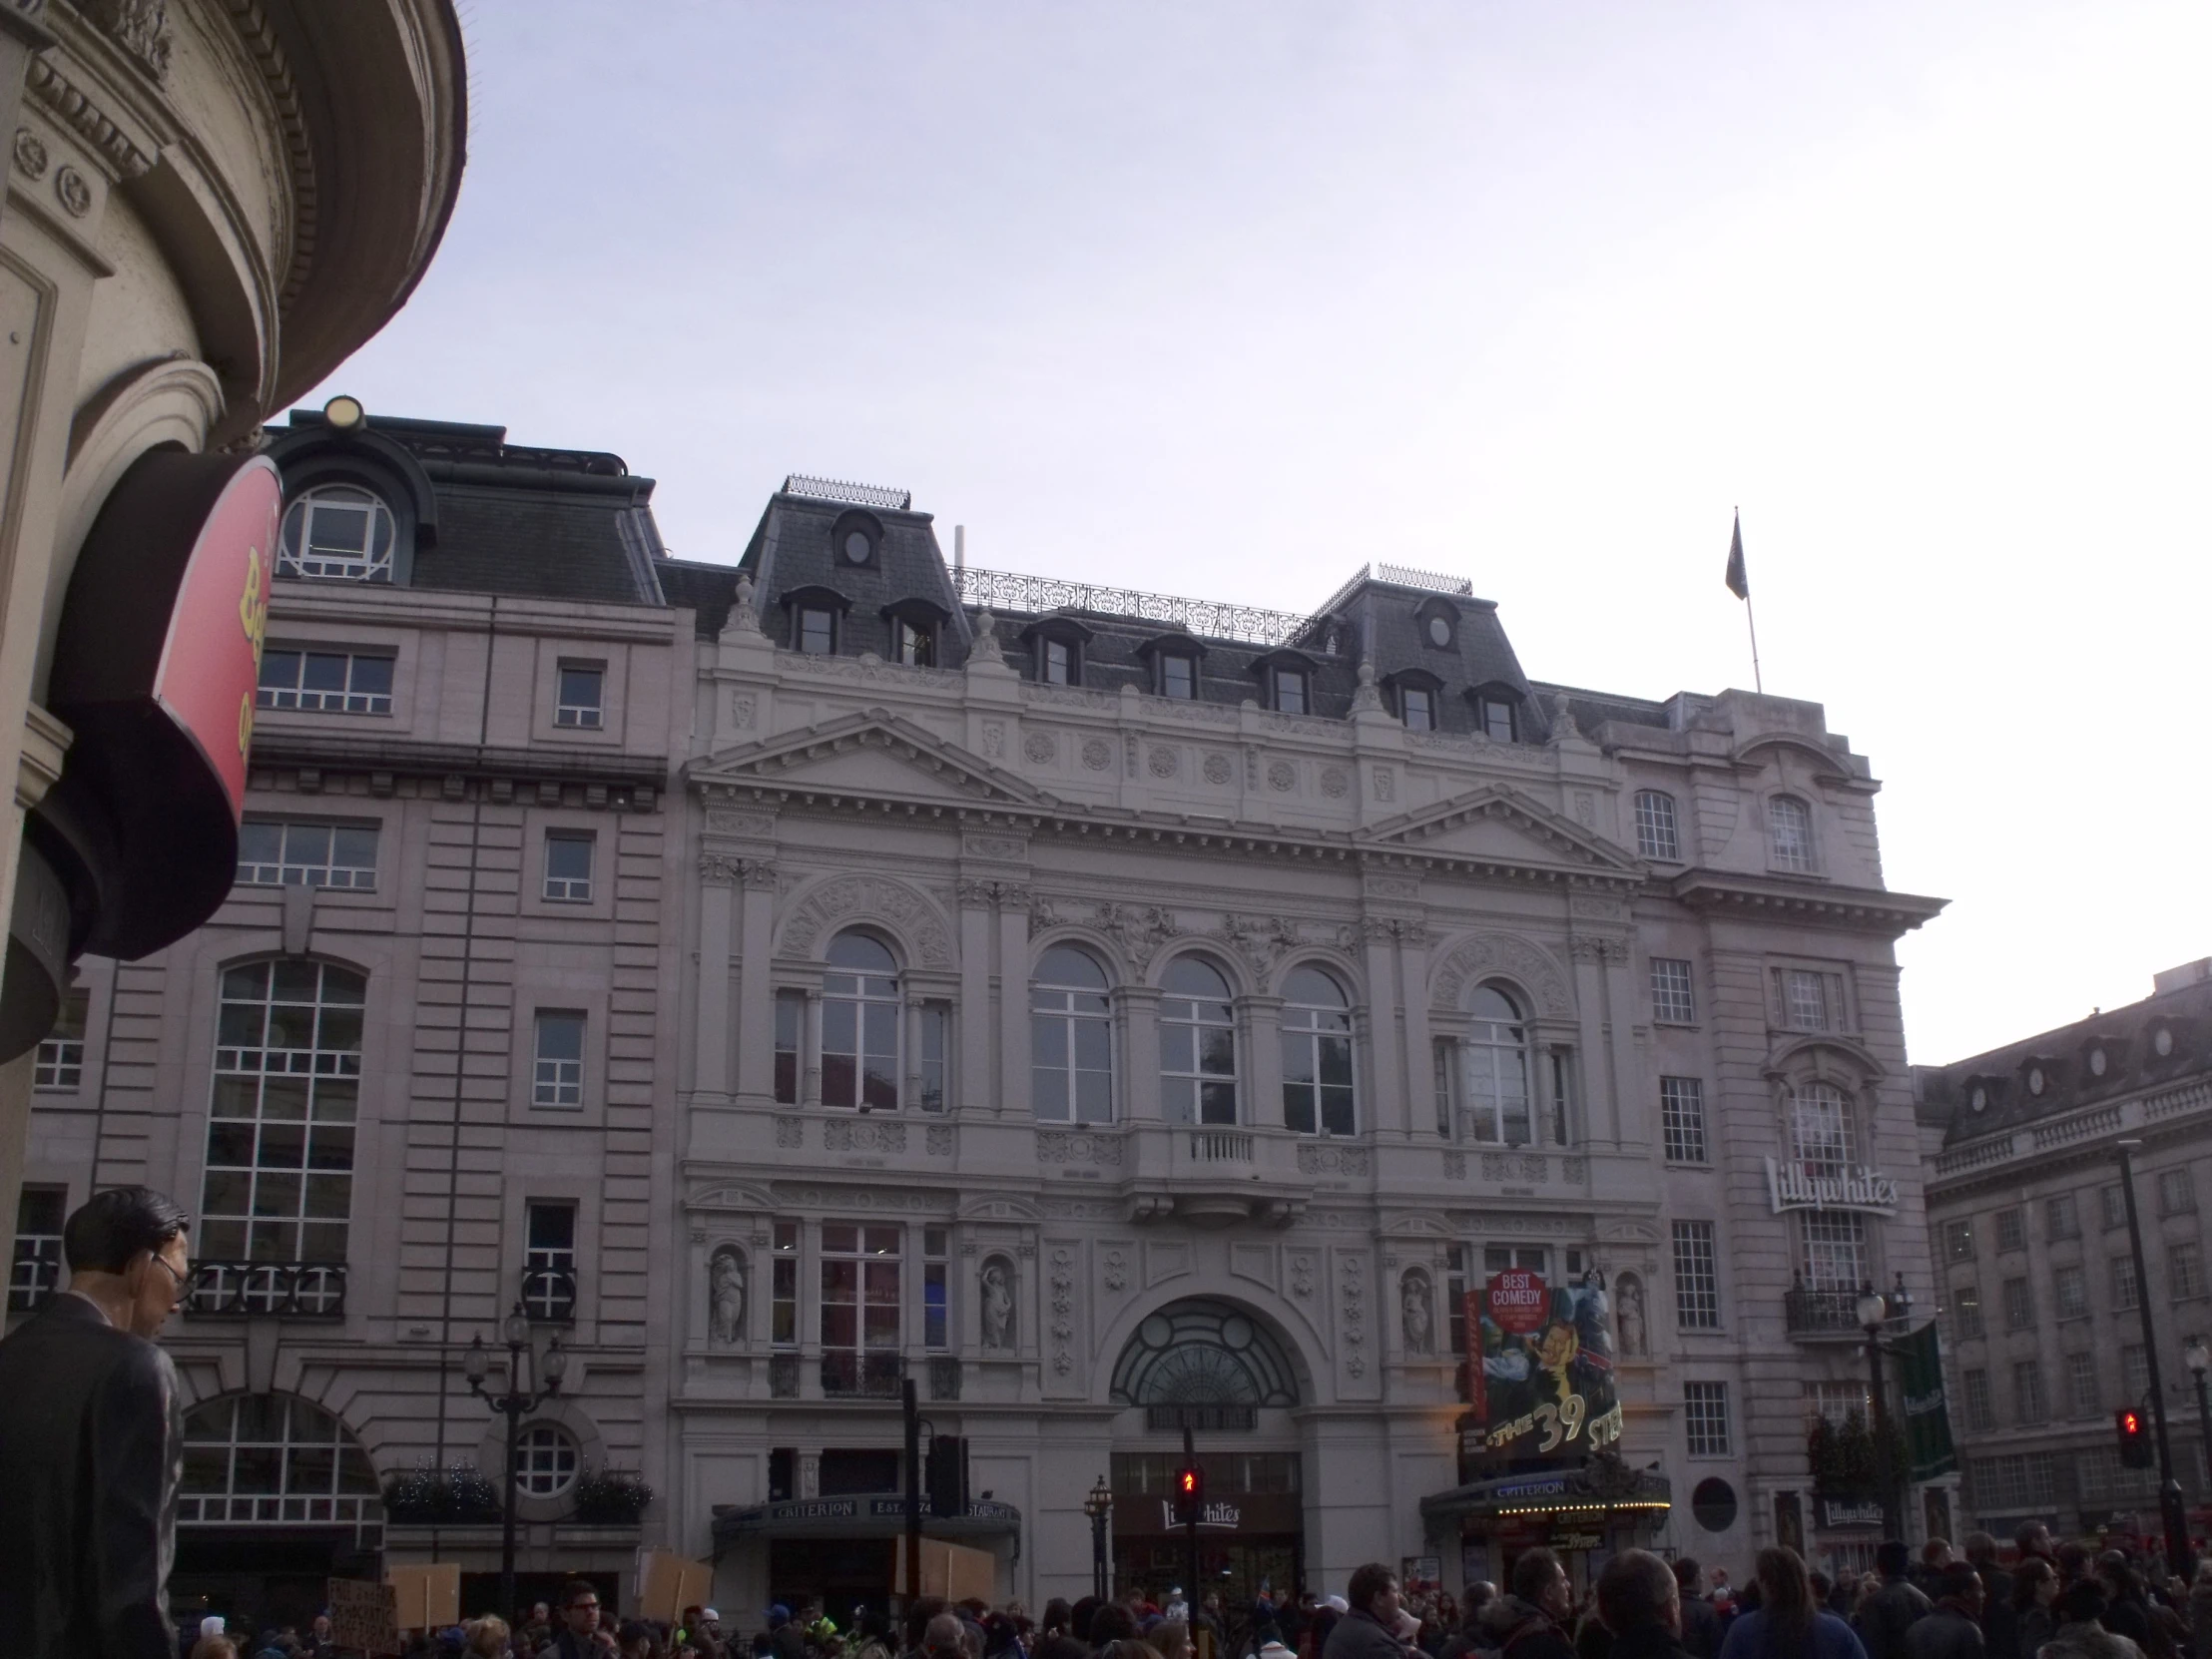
(514, 1402)
(2170, 1505)
(1100, 1507)
(2198, 1358)
(1874, 1313)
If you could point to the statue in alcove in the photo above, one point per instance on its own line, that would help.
(726, 1295)
(997, 1305)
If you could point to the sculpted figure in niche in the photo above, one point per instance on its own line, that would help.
(726, 1295)
(1413, 1303)
(997, 1305)
(1628, 1315)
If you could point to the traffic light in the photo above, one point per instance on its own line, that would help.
(2134, 1439)
(1190, 1493)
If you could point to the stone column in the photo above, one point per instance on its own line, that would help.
(1262, 1020)
(756, 990)
(810, 1053)
(1013, 1000)
(1414, 1045)
(1600, 1087)
(718, 880)
(1139, 1006)
(1389, 1104)
(977, 1087)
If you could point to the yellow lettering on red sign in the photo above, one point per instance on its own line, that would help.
(245, 723)
(254, 609)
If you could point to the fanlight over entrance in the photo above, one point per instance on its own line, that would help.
(1203, 1364)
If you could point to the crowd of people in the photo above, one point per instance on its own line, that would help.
(2049, 1602)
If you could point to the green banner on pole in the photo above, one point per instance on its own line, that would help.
(1927, 1420)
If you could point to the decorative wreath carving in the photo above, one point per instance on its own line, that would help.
(1517, 959)
(869, 898)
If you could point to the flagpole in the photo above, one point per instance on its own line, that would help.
(1739, 584)
(1757, 684)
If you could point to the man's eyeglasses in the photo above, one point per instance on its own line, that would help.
(182, 1280)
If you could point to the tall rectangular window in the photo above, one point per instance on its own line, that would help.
(2113, 1204)
(1959, 1240)
(558, 1077)
(790, 1027)
(1682, 1119)
(1975, 1386)
(2069, 1291)
(1057, 665)
(1965, 1312)
(1697, 1286)
(935, 1300)
(1495, 715)
(1832, 1250)
(784, 1286)
(2061, 1218)
(2081, 1383)
(1821, 1140)
(1417, 708)
(568, 857)
(1790, 833)
(917, 647)
(1672, 1000)
(934, 1022)
(2184, 1272)
(2177, 1194)
(816, 629)
(2125, 1292)
(2019, 1480)
(859, 1325)
(581, 696)
(1705, 1418)
(36, 1273)
(290, 853)
(2135, 1372)
(549, 1260)
(1805, 1000)
(1178, 675)
(1656, 834)
(325, 682)
(1444, 1055)
(61, 1052)
(2027, 1392)
(2020, 1306)
(1290, 691)
(1834, 1402)
(287, 1066)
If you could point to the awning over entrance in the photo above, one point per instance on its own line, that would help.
(1589, 1490)
(860, 1516)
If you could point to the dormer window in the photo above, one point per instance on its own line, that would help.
(337, 533)
(1173, 659)
(1177, 675)
(1438, 623)
(915, 647)
(816, 632)
(854, 539)
(1417, 706)
(1497, 714)
(1058, 662)
(1291, 691)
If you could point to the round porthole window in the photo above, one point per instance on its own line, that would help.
(1440, 631)
(857, 547)
(2097, 1062)
(1714, 1505)
(2035, 1080)
(1980, 1101)
(2162, 1041)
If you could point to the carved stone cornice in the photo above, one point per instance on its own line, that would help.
(73, 108)
(1816, 905)
(720, 870)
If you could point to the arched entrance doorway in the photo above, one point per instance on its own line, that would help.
(277, 1497)
(1211, 1367)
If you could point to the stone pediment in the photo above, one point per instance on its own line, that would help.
(872, 755)
(1499, 824)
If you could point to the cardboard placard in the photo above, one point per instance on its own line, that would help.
(952, 1571)
(428, 1594)
(363, 1616)
(668, 1583)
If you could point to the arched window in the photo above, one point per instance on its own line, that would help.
(1656, 834)
(1821, 1139)
(1071, 1039)
(1317, 1055)
(1197, 1044)
(1496, 1070)
(273, 1461)
(859, 1024)
(287, 1066)
(1790, 832)
(545, 1460)
(338, 532)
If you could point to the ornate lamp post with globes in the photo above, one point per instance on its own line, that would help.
(1100, 1507)
(1874, 1313)
(2198, 1358)
(514, 1402)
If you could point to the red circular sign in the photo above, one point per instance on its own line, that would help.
(1519, 1303)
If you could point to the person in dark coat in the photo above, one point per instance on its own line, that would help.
(1640, 1601)
(1368, 1631)
(1531, 1623)
(1701, 1626)
(1787, 1623)
(1999, 1624)
(1892, 1610)
(2126, 1611)
(90, 1441)
(1953, 1628)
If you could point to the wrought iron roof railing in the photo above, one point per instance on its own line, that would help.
(861, 495)
(1403, 576)
(1004, 590)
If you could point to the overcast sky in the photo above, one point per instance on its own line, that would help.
(1224, 298)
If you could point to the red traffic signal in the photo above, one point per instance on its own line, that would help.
(2134, 1440)
(1190, 1490)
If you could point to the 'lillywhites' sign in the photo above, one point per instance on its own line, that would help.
(1790, 1188)
(1927, 1421)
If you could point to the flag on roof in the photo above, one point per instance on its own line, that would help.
(1739, 584)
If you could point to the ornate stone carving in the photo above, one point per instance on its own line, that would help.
(1416, 1311)
(862, 1135)
(1040, 749)
(994, 739)
(1060, 1146)
(1068, 697)
(985, 646)
(30, 153)
(1301, 1275)
(995, 1304)
(725, 1284)
(1487, 954)
(1063, 1307)
(1218, 769)
(743, 710)
(1628, 1317)
(1354, 1315)
(78, 112)
(1116, 1272)
(1129, 754)
(1335, 784)
(1163, 761)
(1314, 1158)
(937, 1140)
(72, 192)
(1282, 777)
(735, 821)
(1507, 1166)
(789, 1131)
(876, 898)
(1098, 753)
(760, 876)
(1386, 784)
(720, 870)
(994, 847)
(1138, 928)
(140, 26)
(1456, 1166)
(869, 669)
(1574, 1169)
